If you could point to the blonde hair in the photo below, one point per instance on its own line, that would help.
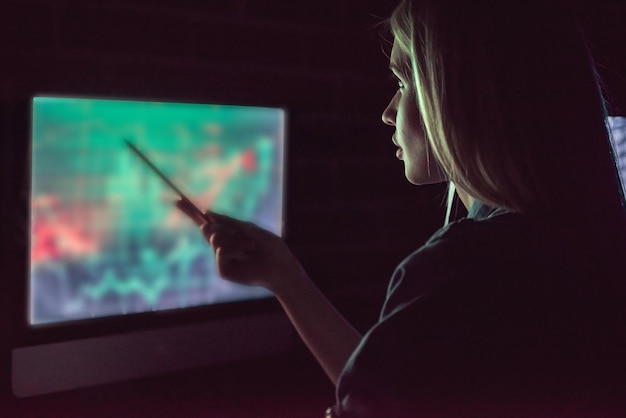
(511, 121)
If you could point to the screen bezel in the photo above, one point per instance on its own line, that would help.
(29, 334)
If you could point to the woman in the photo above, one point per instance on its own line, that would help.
(519, 302)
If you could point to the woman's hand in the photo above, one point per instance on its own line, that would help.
(250, 255)
(244, 252)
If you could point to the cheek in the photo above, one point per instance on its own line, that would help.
(413, 133)
(421, 165)
(409, 118)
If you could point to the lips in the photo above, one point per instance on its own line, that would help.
(399, 150)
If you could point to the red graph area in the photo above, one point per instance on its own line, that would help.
(53, 235)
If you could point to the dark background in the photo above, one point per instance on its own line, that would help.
(351, 216)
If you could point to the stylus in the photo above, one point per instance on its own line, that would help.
(165, 179)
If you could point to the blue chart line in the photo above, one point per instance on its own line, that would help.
(110, 284)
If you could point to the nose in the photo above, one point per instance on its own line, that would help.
(389, 114)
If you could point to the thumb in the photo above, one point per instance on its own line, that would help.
(215, 217)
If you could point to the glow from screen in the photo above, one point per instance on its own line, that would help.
(105, 237)
(617, 125)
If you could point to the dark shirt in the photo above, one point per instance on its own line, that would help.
(497, 306)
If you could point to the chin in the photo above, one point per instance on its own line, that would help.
(418, 181)
(422, 179)
(422, 182)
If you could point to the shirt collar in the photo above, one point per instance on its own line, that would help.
(480, 211)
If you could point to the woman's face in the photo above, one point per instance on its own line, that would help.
(420, 166)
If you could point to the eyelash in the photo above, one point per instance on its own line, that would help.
(396, 80)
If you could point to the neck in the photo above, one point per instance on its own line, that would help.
(465, 197)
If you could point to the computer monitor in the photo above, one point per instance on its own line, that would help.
(108, 248)
(617, 126)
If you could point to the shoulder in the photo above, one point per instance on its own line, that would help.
(489, 307)
(486, 308)
(470, 237)
(466, 250)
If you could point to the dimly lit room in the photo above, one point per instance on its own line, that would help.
(269, 112)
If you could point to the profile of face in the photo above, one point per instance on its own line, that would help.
(420, 165)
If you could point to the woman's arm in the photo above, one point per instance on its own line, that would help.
(250, 255)
(323, 329)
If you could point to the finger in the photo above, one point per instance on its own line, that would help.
(219, 218)
(220, 235)
(247, 229)
(228, 260)
(225, 264)
(228, 236)
(227, 269)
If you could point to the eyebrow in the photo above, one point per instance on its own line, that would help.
(398, 71)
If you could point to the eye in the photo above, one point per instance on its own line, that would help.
(396, 80)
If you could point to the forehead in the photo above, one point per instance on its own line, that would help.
(394, 58)
(398, 60)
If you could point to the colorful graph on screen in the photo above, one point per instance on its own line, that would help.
(105, 237)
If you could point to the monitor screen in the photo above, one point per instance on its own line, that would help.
(617, 125)
(106, 239)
